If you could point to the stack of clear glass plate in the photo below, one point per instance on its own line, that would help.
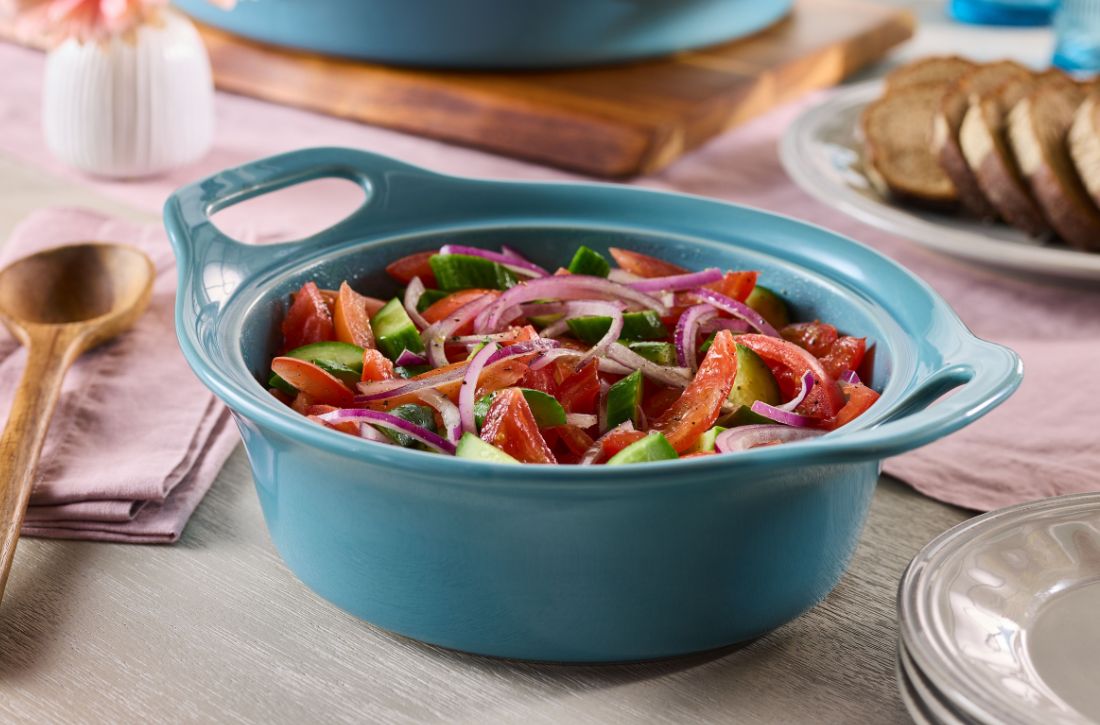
(999, 618)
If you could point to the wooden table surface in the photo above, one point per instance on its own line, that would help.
(216, 629)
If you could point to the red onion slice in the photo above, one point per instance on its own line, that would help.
(448, 411)
(386, 420)
(435, 336)
(807, 384)
(746, 437)
(467, 394)
(687, 330)
(850, 377)
(677, 282)
(677, 377)
(412, 295)
(586, 308)
(370, 433)
(520, 265)
(512, 253)
(735, 308)
(369, 392)
(408, 358)
(724, 323)
(563, 287)
(786, 417)
(622, 276)
(581, 420)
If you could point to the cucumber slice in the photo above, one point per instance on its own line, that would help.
(420, 415)
(644, 325)
(624, 399)
(546, 409)
(470, 446)
(654, 447)
(429, 298)
(770, 305)
(342, 359)
(462, 271)
(541, 321)
(394, 331)
(706, 441)
(754, 381)
(662, 353)
(589, 261)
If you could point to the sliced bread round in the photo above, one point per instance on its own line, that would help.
(984, 142)
(1084, 144)
(948, 120)
(897, 132)
(1038, 129)
(938, 69)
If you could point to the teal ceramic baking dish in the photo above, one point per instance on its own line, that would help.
(563, 563)
(492, 33)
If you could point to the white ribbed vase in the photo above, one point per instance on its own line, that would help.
(132, 105)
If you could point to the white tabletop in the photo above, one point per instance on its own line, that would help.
(216, 629)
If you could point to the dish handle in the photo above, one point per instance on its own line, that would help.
(198, 243)
(986, 373)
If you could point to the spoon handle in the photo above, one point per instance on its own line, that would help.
(50, 355)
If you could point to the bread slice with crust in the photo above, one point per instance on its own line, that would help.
(898, 159)
(948, 120)
(984, 141)
(1039, 127)
(1084, 144)
(938, 69)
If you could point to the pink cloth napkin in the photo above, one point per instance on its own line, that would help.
(1040, 443)
(136, 440)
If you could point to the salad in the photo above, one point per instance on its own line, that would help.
(487, 355)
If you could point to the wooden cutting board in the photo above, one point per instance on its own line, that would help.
(613, 121)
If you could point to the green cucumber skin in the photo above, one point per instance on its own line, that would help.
(429, 298)
(590, 262)
(654, 447)
(548, 411)
(341, 359)
(662, 353)
(394, 331)
(770, 305)
(460, 271)
(624, 399)
(420, 415)
(754, 380)
(636, 326)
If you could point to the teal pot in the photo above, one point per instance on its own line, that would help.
(492, 33)
(563, 563)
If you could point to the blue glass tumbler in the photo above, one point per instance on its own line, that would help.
(1077, 36)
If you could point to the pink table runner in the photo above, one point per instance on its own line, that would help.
(1040, 443)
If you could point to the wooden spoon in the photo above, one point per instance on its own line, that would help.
(59, 303)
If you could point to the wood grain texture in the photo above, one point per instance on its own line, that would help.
(610, 121)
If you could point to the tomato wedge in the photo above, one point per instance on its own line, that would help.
(376, 366)
(501, 374)
(308, 320)
(414, 265)
(322, 387)
(817, 337)
(510, 426)
(790, 362)
(315, 411)
(846, 354)
(579, 391)
(452, 302)
(351, 320)
(615, 440)
(657, 399)
(735, 285)
(696, 410)
(572, 442)
(644, 265)
(860, 398)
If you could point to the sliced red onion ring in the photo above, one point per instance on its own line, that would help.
(370, 433)
(581, 420)
(676, 282)
(601, 406)
(512, 261)
(412, 295)
(408, 357)
(807, 384)
(677, 377)
(448, 411)
(563, 287)
(585, 308)
(786, 417)
(724, 323)
(746, 437)
(478, 339)
(850, 376)
(467, 395)
(386, 420)
(522, 348)
(435, 336)
(593, 451)
(383, 389)
(622, 276)
(735, 308)
(687, 330)
(604, 364)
